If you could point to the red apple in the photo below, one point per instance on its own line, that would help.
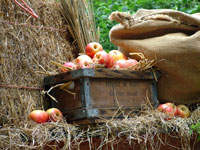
(39, 116)
(169, 109)
(120, 64)
(103, 58)
(125, 64)
(54, 114)
(183, 111)
(131, 64)
(117, 55)
(68, 66)
(92, 48)
(84, 61)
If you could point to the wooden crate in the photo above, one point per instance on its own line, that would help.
(100, 93)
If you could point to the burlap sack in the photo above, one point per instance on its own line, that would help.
(170, 35)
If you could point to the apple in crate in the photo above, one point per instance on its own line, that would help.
(67, 66)
(54, 114)
(183, 111)
(169, 109)
(92, 48)
(125, 64)
(39, 116)
(131, 64)
(120, 64)
(84, 61)
(103, 58)
(117, 55)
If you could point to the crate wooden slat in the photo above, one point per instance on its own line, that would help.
(97, 73)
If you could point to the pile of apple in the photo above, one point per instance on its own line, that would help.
(95, 57)
(41, 116)
(171, 110)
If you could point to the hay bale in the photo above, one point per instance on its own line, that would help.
(26, 46)
(149, 130)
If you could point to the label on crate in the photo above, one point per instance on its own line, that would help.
(116, 92)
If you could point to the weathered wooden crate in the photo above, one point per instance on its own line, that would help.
(100, 93)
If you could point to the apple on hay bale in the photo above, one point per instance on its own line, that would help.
(39, 116)
(169, 109)
(54, 114)
(183, 111)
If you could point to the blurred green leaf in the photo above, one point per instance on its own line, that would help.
(196, 128)
(125, 8)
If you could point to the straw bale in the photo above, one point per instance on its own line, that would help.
(144, 129)
(27, 45)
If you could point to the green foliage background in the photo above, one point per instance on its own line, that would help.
(103, 8)
(195, 128)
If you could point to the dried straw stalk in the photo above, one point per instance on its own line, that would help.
(80, 18)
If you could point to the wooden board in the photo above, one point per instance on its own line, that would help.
(97, 73)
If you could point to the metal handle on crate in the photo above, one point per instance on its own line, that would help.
(26, 8)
